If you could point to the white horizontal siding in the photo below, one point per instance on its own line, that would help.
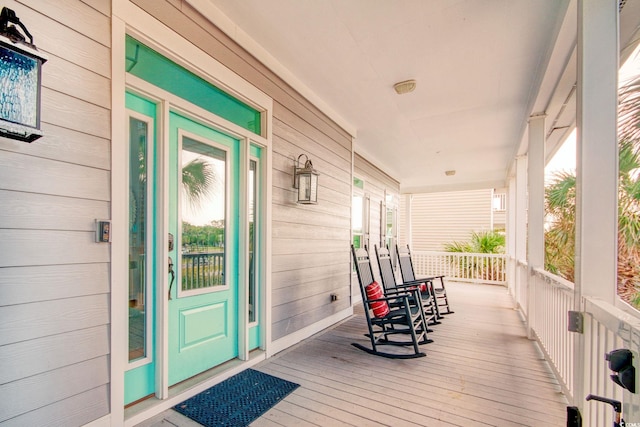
(54, 310)
(19, 397)
(440, 218)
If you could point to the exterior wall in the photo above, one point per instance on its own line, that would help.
(439, 218)
(54, 342)
(310, 257)
(500, 219)
(377, 184)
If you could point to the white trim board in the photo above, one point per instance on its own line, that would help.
(128, 18)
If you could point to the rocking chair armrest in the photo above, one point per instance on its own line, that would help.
(403, 298)
(413, 293)
(399, 293)
(387, 299)
(441, 276)
(411, 283)
(396, 292)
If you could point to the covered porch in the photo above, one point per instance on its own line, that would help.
(500, 84)
(480, 370)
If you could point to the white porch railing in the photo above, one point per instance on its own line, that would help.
(464, 267)
(545, 300)
(551, 298)
(608, 328)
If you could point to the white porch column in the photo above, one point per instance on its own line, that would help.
(535, 219)
(597, 164)
(535, 174)
(521, 230)
(511, 237)
(408, 226)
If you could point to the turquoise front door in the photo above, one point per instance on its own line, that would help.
(204, 220)
(196, 234)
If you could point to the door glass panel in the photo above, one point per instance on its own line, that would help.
(357, 220)
(138, 207)
(252, 239)
(203, 208)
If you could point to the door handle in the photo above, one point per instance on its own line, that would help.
(173, 276)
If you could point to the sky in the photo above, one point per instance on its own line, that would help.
(565, 157)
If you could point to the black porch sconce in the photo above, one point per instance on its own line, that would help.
(20, 80)
(305, 179)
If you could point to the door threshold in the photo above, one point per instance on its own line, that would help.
(150, 407)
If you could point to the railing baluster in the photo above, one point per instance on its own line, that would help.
(202, 270)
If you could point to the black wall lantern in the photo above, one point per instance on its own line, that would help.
(20, 80)
(305, 179)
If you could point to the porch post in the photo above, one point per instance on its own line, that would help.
(596, 166)
(408, 230)
(511, 238)
(535, 173)
(521, 231)
(535, 218)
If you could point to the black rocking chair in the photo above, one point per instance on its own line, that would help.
(408, 275)
(427, 300)
(385, 322)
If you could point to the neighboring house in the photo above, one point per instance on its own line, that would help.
(439, 218)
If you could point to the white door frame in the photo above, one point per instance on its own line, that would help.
(128, 19)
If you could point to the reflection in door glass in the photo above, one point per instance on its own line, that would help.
(138, 136)
(203, 201)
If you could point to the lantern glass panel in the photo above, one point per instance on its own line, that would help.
(304, 181)
(19, 78)
(313, 190)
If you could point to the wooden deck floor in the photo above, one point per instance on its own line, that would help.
(480, 370)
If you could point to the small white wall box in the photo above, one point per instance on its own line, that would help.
(103, 231)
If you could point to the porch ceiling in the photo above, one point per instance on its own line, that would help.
(482, 68)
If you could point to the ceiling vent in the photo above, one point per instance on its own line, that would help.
(405, 86)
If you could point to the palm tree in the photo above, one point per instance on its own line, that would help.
(629, 111)
(560, 207)
(560, 204)
(484, 242)
(198, 179)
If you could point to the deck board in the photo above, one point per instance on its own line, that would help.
(481, 370)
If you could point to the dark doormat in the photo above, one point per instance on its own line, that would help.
(236, 401)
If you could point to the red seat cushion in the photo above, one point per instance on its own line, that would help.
(374, 291)
(422, 287)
